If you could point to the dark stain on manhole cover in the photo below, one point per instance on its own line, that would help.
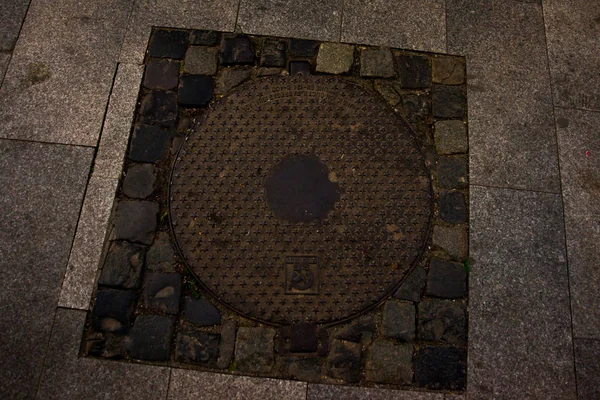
(299, 189)
(300, 199)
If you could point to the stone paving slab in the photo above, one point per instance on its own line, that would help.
(40, 212)
(60, 75)
(407, 24)
(327, 392)
(572, 32)
(80, 278)
(210, 14)
(66, 376)
(511, 129)
(579, 148)
(520, 343)
(189, 384)
(12, 13)
(587, 354)
(117, 123)
(305, 19)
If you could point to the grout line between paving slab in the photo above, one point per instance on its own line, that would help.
(169, 383)
(45, 355)
(49, 143)
(446, 31)
(237, 15)
(18, 36)
(517, 189)
(562, 200)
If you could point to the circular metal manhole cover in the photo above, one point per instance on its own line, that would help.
(300, 199)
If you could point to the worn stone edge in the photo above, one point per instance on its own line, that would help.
(80, 278)
(118, 121)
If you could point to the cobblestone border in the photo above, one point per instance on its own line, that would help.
(149, 308)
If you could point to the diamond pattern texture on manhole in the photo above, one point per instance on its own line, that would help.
(320, 270)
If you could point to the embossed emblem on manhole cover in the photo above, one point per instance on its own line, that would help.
(300, 199)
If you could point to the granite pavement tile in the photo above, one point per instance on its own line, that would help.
(573, 33)
(304, 19)
(189, 384)
(117, 123)
(58, 82)
(43, 187)
(12, 13)
(67, 376)
(406, 24)
(335, 392)
(520, 343)
(187, 14)
(579, 152)
(579, 149)
(512, 139)
(86, 252)
(587, 354)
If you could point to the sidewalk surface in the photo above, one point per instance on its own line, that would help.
(534, 113)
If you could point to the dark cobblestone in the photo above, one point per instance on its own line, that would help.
(168, 44)
(300, 68)
(414, 72)
(159, 108)
(416, 103)
(274, 53)
(303, 369)
(452, 173)
(449, 101)
(195, 90)
(237, 51)
(453, 239)
(136, 221)
(441, 368)
(448, 70)
(447, 279)
(227, 344)
(452, 207)
(200, 60)
(150, 338)
(113, 310)
(359, 330)
(139, 181)
(377, 63)
(399, 320)
(388, 92)
(162, 292)
(254, 349)
(149, 144)
(303, 48)
(230, 78)
(122, 266)
(161, 74)
(201, 312)
(442, 320)
(412, 288)
(204, 38)
(343, 361)
(197, 348)
(160, 257)
(389, 363)
(450, 137)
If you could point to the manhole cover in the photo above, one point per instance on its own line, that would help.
(300, 199)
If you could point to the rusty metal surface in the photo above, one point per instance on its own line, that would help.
(318, 270)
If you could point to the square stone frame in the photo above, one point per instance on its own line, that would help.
(93, 229)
